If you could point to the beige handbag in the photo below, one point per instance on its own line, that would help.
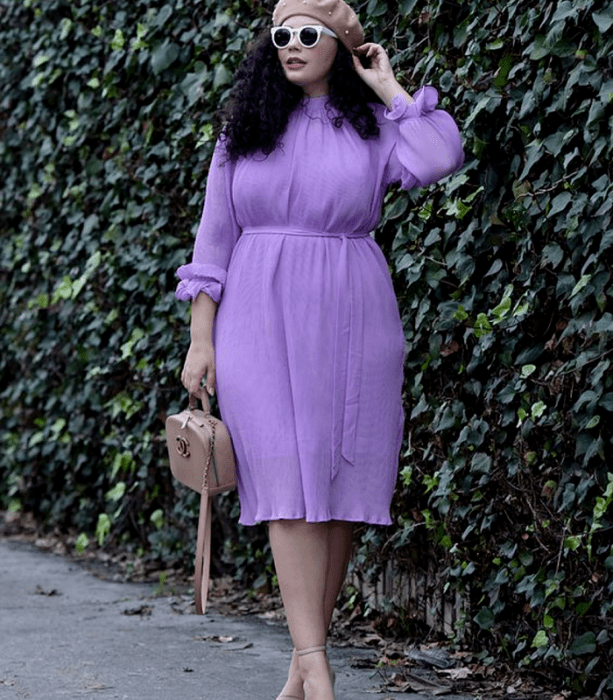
(202, 458)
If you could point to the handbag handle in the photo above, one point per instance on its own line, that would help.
(203, 554)
(203, 544)
(204, 400)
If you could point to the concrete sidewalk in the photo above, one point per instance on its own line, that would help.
(65, 633)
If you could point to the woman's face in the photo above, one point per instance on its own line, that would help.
(308, 68)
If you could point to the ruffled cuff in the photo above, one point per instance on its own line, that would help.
(196, 278)
(425, 100)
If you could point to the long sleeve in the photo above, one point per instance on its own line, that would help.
(216, 237)
(427, 141)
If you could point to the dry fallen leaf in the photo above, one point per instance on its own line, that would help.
(373, 640)
(215, 638)
(143, 611)
(456, 673)
(39, 590)
(406, 682)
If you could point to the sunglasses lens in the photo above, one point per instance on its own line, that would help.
(282, 37)
(308, 36)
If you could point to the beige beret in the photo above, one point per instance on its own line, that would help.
(334, 14)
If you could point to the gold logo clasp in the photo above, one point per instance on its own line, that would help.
(183, 446)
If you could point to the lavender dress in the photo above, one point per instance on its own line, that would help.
(309, 343)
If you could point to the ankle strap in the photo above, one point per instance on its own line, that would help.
(310, 650)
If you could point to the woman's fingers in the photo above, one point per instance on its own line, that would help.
(357, 65)
(210, 380)
(192, 382)
(371, 51)
(199, 363)
(379, 68)
(369, 46)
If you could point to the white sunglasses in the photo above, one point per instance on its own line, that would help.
(308, 36)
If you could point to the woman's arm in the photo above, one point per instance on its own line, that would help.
(217, 234)
(200, 360)
(203, 280)
(427, 144)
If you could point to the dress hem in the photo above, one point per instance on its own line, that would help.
(250, 522)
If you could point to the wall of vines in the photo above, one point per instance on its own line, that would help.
(503, 273)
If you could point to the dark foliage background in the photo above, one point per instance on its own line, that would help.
(503, 273)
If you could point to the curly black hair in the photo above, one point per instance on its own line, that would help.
(262, 99)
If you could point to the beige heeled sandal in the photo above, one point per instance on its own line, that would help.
(313, 650)
(291, 697)
(303, 652)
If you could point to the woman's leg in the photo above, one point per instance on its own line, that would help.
(311, 561)
(339, 554)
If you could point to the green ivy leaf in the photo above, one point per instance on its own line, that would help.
(117, 492)
(603, 20)
(81, 543)
(583, 644)
(581, 284)
(527, 371)
(540, 639)
(222, 76)
(103, 528)
(560, 203)
(539, 49)
(164, 56)
(552, 253)
(40, 60)
(157, 518)
(485, 618)
(118, 41)
(163, 15)
(406, 474)
(572, 542)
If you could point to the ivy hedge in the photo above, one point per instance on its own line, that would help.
(503, 273)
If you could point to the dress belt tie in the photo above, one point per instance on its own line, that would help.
(348, 344)
(297, 231)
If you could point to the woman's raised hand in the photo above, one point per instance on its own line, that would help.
(379, 76)
(380, 69)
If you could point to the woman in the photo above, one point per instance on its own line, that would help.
(306, 350)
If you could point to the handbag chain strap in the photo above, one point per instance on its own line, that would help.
(209, 459)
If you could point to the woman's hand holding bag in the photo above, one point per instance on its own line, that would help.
(200, 360)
